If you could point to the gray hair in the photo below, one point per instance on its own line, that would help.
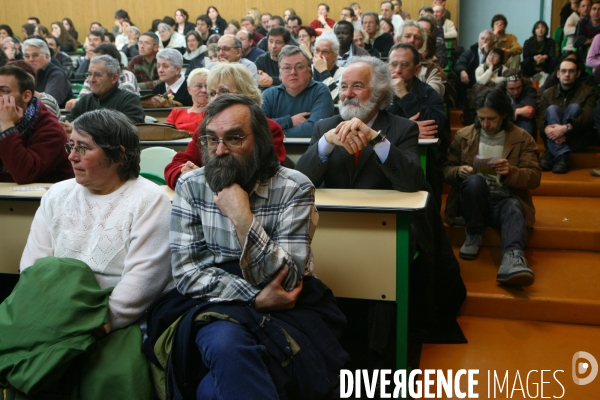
(488, 32)
(135, 29)
(112, 66)
(289, 50)
(39, 43)
(372, 14)
(409, 22)
(171, 55)
(330, 37)
(380, 80)
(164, 26)
(196, 71)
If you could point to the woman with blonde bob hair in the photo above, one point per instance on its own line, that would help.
(222, 79)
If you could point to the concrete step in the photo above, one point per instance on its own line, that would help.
(576, 183)
(566, 288)
(569, 223)
(506, 345)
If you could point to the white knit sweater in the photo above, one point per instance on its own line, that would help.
(122, 236)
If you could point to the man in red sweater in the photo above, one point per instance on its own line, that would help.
(31, 138)
(322, 17)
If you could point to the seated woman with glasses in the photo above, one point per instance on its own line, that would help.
(222, 79)
(108, 229)
(189, 119)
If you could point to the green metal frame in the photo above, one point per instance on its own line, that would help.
(402, 275)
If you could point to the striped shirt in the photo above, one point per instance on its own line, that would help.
(145, 73)
(285, 219)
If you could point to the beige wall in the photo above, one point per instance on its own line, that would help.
(83, 12)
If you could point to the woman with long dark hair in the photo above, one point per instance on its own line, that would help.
(538, 51)
(67, 42)
(68, 24)
(218, 25)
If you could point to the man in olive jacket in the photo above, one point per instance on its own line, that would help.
(491, 166)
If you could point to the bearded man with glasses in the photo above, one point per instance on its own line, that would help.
(299, 102)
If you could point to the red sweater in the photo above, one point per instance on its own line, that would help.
(41, 157)
(192, 153)
(316, 24)
(184, 120)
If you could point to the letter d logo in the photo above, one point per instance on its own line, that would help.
(582, 367)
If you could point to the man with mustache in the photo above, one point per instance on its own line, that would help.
(241, 230)
(366, 147)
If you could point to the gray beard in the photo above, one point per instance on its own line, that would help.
(221, 172)
(353, 108)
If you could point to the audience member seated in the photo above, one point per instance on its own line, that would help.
(172, 83)
(398, 10)
(95, 39)
(103, 78)
(131, 48)
(275, 21)
(344, 31)
(565, 117)
(523, 98)
(249, 52)
(144, 65)
(385, 24)
(448, 28)
(70, 27)
(323, 21)
(586, 29)
(299, 102)
(127, 80)
(387, 11)
(45, 98)
(593, 58)
(324, 68)
(584, 77)
(432, 74)
(203, 27)
(489, 74)
(229, 50)
(306, 40)
(195, 52)
(261, 19)
(538, 53)
(376, 38)
(261, 270)
(349, 15)
(293, 24)
(248, 24)
(506, 41)
(105, 236)
(31, 138)
(67, 42)
(189, 119)
(183, 26)
(169, 39)
(359, 39)
(10, 49)
(490, 190)
(222, 79)
(441, 52)
(217, 23)
(50, 78)
(63, 58)
(583, 11)
(267, 64)
(468, 62)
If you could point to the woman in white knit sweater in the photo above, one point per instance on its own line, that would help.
(108, 217)
(491, 70)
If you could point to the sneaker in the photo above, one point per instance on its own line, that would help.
(514, 270)
(547, 162)
(561, 164)
(470, 248)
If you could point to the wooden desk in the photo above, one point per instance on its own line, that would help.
(361, 247)
(17, 209)
(177, 144)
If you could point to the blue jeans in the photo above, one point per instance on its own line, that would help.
(528, 124)
(480, 208)
(576, 141)
(236, 364)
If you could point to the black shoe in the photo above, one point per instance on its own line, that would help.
(561, 164)
(547, 161)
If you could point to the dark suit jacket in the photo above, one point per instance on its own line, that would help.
(182, 95)
(401, 170)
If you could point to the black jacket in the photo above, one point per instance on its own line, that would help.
(468, 61)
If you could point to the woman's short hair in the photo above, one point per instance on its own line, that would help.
(196, 35)
(116, 136)
(172, 56)
(498, 101)
(239, 75)
(195, 72)
(135, 29)
(499, 52)
(164, 26)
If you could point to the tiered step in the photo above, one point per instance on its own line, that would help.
(501, 345)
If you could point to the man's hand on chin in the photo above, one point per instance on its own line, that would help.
(233, 201)
(275, 297)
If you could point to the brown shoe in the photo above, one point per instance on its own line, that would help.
(595, 172)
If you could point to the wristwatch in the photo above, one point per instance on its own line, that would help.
(569, 127)
(377, 139)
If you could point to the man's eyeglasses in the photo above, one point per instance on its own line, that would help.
(79, 150)
(232, 142)
(221, 92)
(298, 68)
(358, 89)
(225, 48)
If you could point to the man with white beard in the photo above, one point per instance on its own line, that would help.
(364, 146)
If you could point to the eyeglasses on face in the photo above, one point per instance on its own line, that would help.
(286, 69)
(79, 150)
(225, 48)
(232, 142)
(220, 92)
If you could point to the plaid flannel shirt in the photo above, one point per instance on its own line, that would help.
(285, 219)
(140, 67)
